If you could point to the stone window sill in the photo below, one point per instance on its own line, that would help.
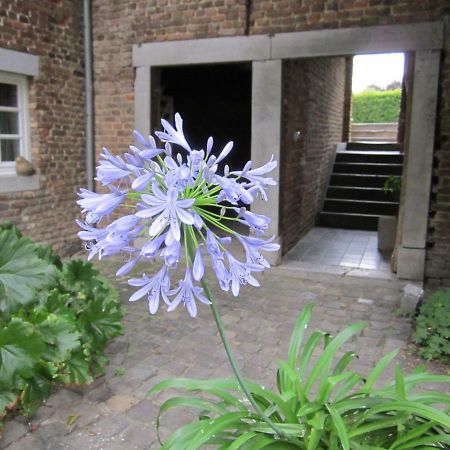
(16, 183)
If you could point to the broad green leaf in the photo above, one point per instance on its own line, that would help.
(101, 321)
(20, 349)
(21, 271)
(76, 370)
(60, 335)
(37, 388)
(7, 397)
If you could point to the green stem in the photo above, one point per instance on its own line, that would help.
(234, 366)
(191, 252)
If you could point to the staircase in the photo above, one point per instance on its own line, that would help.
(355, 197)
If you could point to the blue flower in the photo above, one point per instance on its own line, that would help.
(176, 204)
(154, 287)
(187, 293)
(253, 247)
(100, 204)
(169, 209)
(111, 169)
(258, 223)
(240, 273)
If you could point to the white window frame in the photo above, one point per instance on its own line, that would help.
(22, 108)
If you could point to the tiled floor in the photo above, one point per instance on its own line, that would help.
(338, 247)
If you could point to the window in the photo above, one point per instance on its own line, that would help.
(14, 133)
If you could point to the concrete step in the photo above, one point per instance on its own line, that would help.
(348, 220)
(361, 193)
(369, 157)
(368, 168)
(372, 146)
(358, 180)
(360, 207)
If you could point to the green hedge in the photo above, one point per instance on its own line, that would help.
(376, 107)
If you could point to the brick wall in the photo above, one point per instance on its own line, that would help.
(437, 263)
(51, 29)
(313, 103)
(118, 24)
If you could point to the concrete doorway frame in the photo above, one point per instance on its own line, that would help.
(267, 53)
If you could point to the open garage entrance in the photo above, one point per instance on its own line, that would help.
(213, 99)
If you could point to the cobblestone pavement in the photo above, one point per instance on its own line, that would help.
(114, 412)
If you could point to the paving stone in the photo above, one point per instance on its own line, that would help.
(121, 403)
(109, 426)
(12, 432)
(28, 442)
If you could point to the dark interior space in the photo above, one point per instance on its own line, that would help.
(214, 100)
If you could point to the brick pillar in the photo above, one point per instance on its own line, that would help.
(347, 99)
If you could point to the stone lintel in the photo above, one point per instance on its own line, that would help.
(202, 51)
(302, 44)
(358, 40)
(19, 62)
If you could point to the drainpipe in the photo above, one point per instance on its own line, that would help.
(89, 106)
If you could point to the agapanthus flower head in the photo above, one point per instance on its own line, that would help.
(178, 201)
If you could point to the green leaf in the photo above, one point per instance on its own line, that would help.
(60, 335)
(223, 422)
(400, 383)
(297, 335)
(340, 427)
(37, 389)
(7, 397)
(20, 349)
(76, 370)
(378, 370)
(328, 354)
(21, 271)
(101, 320)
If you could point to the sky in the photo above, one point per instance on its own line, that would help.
(376, 69)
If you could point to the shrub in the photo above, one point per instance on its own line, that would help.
(376, 107)
(55, 320)
(320, 404)
(432, 332)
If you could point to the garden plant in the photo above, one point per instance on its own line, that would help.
(182, 203)
(432, 332)
(56, 318)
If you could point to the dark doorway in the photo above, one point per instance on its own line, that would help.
(214, 100)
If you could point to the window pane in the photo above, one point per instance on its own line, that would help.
(9, 122)
(8, 94)
(9, 149)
